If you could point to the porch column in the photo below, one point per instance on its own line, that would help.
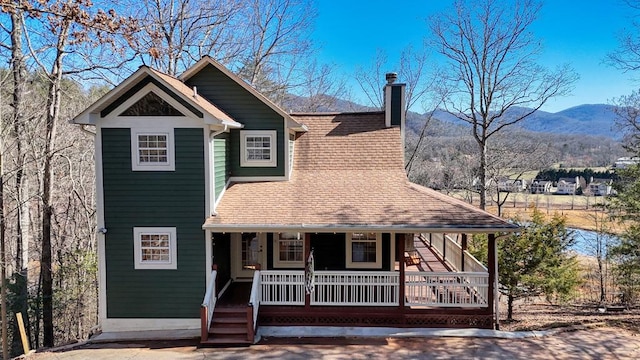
(307, 252)
(400, 242)
(491, 248)
(464, 248)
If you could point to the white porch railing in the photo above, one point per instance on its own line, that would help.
(282, 287)
(210, 298)
(453, 253)
(471, 264)
(254, 299)
(363, 288)
(356, 288)
(445, 289)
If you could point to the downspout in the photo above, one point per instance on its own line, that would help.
(211, 137)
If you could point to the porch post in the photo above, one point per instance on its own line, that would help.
(464, 248)
(491, 248)
(307, 252)
(400, 242)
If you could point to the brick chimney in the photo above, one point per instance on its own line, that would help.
(394, 103)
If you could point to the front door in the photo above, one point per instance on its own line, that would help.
(249, 250)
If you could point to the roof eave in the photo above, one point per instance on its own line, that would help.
(319, 228)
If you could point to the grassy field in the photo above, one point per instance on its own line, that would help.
(582, 212)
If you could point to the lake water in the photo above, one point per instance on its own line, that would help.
(586, 241)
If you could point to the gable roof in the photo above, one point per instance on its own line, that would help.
(207, 60)
(348, 175)
(92, 113)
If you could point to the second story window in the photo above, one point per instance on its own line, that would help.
(258, 148)
(152, 151)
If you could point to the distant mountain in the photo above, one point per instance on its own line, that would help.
(588, 119)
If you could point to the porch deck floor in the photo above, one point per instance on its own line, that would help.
(429, 260)
(237, 294)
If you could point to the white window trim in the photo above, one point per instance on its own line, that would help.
(170, 165)
(286, 264)
(364, 265)
(172, 264)
(272, 162)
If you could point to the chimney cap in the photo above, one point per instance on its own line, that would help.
(391, 77)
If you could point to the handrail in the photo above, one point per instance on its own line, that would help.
(208, 305)
(254, 304)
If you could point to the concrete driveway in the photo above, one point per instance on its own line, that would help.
(597, 343)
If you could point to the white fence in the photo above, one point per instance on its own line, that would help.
(355, 288)
(445, 289)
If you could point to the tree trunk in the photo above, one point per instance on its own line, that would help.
(510, 307)
(483, 175)
(53, 113)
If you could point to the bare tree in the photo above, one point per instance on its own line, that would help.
(491, 68)
(627, 109)
(57, 32)
(509, 161)
(175, 34)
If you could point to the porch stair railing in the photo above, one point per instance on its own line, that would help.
(254, 306)
(208, 306)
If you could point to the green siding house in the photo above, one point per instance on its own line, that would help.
(223, 215)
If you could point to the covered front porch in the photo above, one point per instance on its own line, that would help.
(432, 282)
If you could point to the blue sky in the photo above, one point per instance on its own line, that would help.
(577, 32)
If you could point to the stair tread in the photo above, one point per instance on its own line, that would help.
(226, 342)
(229, 320)
(228, 330)
(230, 310)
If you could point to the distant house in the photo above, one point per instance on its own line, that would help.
(600, 187)
(511, 185)
(568, 186)
(540, 187)
(625, 162)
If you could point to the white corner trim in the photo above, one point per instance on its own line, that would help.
(102, 264)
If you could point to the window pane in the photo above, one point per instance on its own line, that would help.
(152, 148)
(363, 251)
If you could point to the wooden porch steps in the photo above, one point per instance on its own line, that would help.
(228, 327)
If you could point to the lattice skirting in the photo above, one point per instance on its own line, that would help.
(292, 318)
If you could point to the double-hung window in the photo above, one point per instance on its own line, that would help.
(289, 250)
(152, 151)
(155, 248)
(364, 250)
(258, 148)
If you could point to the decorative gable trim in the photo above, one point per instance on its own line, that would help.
(197, 105)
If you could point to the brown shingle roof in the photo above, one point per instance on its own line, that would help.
(348, 174)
